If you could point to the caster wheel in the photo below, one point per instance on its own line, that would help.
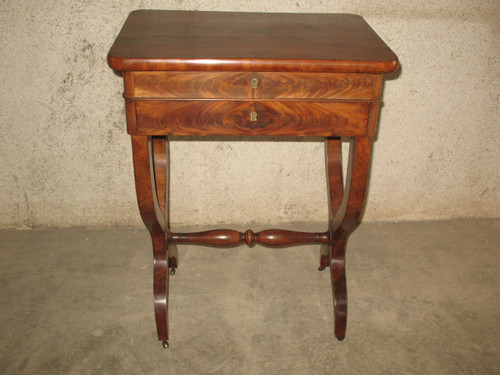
(164, 344)
(321, 268)
(172, 271)
(340, 338)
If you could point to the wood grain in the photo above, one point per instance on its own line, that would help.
(192, 85)
(314, 86)
(283, 118)
(227, 41)
(220, 85)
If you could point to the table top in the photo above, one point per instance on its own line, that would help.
(229, 41)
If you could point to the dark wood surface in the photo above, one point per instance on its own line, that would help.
(184, 40)
(218, 117)
(270, 237)
(155, 224)
(237, 85)
(251, 74)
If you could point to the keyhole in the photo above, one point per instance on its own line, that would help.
(254, 83)
(253, 116)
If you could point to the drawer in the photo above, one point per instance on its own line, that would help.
(248, 85)
(224, 117)
(191, 85)
(317, 86)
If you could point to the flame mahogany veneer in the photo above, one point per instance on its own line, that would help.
(251, 74)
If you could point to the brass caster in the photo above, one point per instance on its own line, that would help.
(164, 344)
(321, 268)
(172, 271)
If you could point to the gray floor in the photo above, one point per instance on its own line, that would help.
(423, 299)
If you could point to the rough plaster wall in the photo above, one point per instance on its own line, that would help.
(66, 157)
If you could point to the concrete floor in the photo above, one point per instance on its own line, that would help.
(424, 298)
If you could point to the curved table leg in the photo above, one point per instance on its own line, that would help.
(161, 162)
(335, 186)
(343, 224)
(154, 220)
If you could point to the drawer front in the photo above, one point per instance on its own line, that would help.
(231, 85)
(222, 117)
(317, 86)
(192, 85)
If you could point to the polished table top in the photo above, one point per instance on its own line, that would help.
(185, 40)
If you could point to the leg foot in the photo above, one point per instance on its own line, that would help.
(173, 257)
(339, 287)
(165, 344)
(321, 268)
(172, 271)
(160, 284)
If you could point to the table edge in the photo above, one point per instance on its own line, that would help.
(263, 65)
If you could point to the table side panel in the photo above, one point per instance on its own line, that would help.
(128, 83)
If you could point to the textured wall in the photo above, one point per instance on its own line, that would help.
(66, 157)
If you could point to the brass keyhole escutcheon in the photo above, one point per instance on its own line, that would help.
(253, 116)
(254, 83)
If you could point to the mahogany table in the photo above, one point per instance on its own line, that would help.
(251, 74)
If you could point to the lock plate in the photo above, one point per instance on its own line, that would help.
(253, 116)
